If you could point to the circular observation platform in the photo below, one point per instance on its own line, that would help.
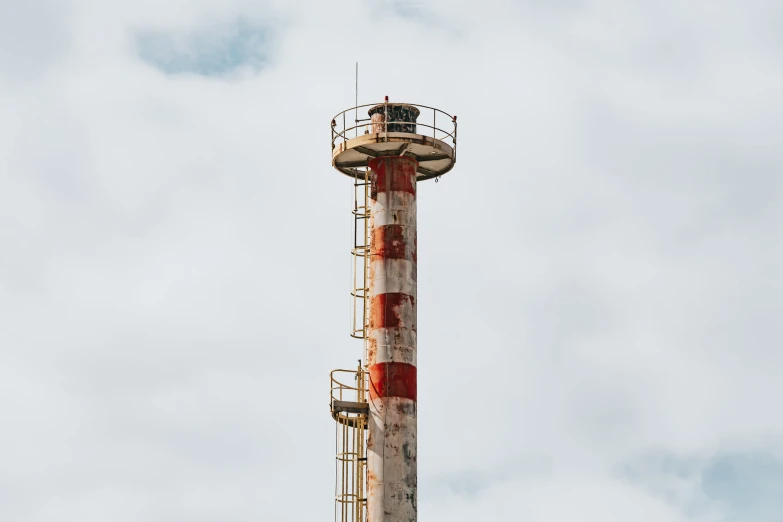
(423, 133)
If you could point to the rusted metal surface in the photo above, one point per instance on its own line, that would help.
(398, 117)
(391, 441)
(393, 379)
(393, 242)
(377, 126)
(427, 134)
(391, 463)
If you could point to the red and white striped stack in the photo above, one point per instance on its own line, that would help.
(391, 443)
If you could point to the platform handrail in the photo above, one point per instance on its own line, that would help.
(417, 105)
(348, 402)
(342, 391)
(438, 133)
(445, 134)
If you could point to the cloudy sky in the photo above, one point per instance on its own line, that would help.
(599, 277)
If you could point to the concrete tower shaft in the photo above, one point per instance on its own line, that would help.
(391, 441)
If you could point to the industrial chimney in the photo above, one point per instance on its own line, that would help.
(386, 154)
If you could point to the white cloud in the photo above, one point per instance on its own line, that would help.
(598, 276)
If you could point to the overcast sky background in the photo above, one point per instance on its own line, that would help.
(599, 277)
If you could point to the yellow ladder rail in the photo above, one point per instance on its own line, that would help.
(361, 255)
(350, 409)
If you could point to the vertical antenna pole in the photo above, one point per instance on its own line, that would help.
(356, 104)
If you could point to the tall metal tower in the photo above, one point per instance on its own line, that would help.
(386, 154)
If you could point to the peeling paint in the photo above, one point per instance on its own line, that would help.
(391, 446)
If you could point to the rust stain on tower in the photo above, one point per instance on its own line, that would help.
(386, 149)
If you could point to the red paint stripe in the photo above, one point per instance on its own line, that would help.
(385, 311)
(393, 379)
(393, 173)
(393, 242)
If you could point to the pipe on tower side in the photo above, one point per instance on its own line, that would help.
(391, 441)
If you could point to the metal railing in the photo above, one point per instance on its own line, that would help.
(342, 389)
(350, 445)
(443, 126)
(360, 254)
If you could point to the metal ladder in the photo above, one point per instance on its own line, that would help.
(349, 387)
(350, 410)
(361, 257)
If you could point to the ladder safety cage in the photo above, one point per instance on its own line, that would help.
(361, 256)
(348, 403)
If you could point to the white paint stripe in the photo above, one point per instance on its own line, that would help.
(391, 460)
(391, 276)
(394, 336)
(393, 208)
(389, 345)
